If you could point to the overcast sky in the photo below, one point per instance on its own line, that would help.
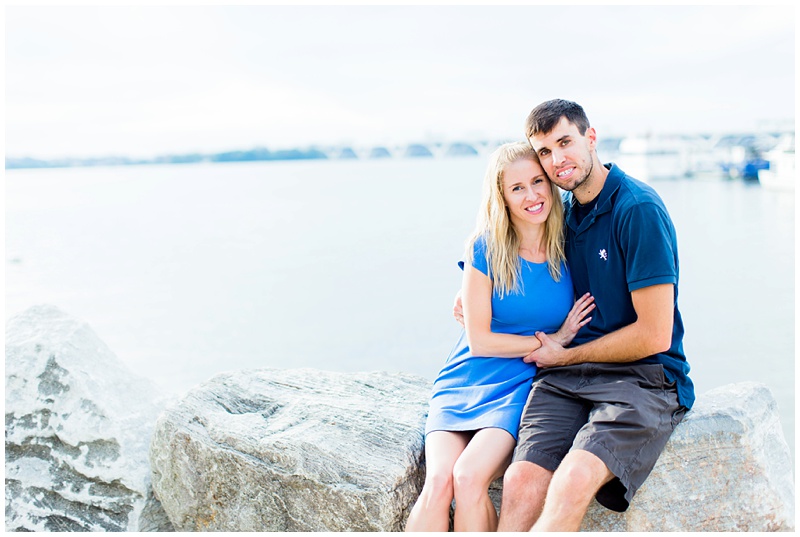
(94, 81)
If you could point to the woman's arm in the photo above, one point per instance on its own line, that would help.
(475, 302)
(476, 297)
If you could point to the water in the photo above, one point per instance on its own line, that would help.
(187, 271)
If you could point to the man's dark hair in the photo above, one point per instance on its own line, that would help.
(546, 116)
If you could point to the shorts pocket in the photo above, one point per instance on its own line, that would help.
(653, 376)
(678, 415)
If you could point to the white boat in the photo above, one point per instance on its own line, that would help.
(780, 174)
(651, 158)
(703, 161)
(740, 156)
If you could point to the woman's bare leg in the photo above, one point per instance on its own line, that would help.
(432, 510)
(485, 459)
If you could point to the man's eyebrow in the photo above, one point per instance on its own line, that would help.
(558, 141)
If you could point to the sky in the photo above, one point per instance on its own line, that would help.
(147, 81)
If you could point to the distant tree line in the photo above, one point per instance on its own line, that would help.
(228, 156)
(261, 153)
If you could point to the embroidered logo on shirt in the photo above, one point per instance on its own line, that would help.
(603, 254)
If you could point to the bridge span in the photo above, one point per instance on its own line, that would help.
(412, 150)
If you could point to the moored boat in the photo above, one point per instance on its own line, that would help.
(651, 158)
(780, 174)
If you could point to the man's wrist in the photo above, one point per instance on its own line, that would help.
(572, 355)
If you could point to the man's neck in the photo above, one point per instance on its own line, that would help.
(590, 189)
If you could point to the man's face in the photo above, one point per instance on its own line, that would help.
(565, 154)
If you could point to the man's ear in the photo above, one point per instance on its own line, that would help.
(591, 135)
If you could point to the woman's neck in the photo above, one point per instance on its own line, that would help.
(531, 245)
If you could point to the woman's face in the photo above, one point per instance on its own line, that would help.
(526, 191)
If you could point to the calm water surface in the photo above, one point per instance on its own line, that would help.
(187, 271)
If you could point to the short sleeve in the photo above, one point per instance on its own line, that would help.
(478, 256)
(647, 237)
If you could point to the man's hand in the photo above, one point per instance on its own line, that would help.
(458, 309)
(549, 354)
(650, 334)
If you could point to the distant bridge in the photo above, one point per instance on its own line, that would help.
(412, 150)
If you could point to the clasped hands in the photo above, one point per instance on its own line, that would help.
(553, 351)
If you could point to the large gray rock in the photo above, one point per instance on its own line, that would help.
(78, 426)
(292, 450)
(307, 450)
(726, 467)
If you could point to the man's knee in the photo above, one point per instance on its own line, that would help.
(524, 490)
(525, 479)
(581, 473)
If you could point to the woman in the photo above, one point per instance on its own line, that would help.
(515, 283)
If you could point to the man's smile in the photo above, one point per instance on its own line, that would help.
(565, 172)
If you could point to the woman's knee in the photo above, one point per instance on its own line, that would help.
(470, 483)
(439, 486)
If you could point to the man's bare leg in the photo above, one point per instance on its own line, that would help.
(574, 484)
(524, 490)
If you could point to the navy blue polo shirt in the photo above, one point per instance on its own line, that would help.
(626, 242)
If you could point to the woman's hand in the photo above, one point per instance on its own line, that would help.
(576, 318)
(458, 309)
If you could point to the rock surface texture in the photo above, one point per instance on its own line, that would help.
(292, 450)
(726, 467)
(309, 450)
(78, 425)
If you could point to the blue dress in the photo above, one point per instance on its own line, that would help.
(475, 392)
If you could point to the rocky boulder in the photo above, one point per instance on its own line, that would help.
(307, 450)
(726, 467)
(292, 450)
(78, 426)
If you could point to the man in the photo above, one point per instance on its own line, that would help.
(601, 410)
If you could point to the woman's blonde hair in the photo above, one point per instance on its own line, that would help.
(494, 224)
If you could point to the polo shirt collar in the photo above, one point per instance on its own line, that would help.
(613, 180)
(604, 199)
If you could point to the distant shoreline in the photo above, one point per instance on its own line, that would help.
(263, 154)
(231, 156)
(752, 144)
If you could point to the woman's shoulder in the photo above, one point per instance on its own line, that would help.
(477, 247)
(479, 244)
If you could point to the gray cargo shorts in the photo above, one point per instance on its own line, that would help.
(622, 413)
